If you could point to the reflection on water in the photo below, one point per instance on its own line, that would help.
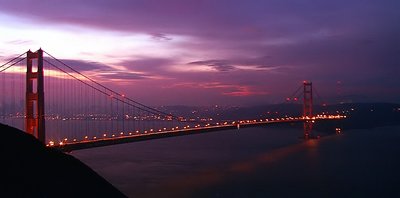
(146, 165)
(186, 186)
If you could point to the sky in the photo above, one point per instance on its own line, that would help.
(225, 52)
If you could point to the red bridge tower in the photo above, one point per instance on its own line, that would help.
(34, 101)
(307, 107)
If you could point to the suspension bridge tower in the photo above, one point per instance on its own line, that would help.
(307, 108)
(34, 98)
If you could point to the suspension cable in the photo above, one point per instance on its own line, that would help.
(112, 91)
(4, 69)
(97, 89)
(12, 60)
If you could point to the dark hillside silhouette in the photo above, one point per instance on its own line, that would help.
(29, 169)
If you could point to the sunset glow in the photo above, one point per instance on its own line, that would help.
(245, 60)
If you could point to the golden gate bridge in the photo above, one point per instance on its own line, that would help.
(67, 109)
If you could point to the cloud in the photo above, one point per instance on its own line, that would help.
(264, 45)
(99, 71)
(123, 76)
(244, 91)
(78, 65)
(225, 89)
(255, 64)
(160, 37)
(216, 20)
(20, 42)
(81, 65)
(219, 65)
(147, 64)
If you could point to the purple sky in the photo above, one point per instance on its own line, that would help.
(208, 52)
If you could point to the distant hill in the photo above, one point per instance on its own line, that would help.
(359, 115)
(29, 169)
(366, 115)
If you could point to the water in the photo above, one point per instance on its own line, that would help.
(254, 162)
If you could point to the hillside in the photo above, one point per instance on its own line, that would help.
(360, 115)
(29, 169)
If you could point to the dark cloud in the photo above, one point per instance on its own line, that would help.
(147, 64)
(219, 65)
(100, 70)
(123, 76)
(245, 20)
(232, 64)
(160, 37)
(81, 65)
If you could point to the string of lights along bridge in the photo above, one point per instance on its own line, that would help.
(62, 107)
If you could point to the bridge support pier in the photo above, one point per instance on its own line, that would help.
(34, 98)
(308, 129)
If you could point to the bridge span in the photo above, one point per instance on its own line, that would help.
(174, 132)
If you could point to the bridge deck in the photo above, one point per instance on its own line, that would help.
(173, 133)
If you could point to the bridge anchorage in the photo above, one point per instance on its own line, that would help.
(77, 112)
